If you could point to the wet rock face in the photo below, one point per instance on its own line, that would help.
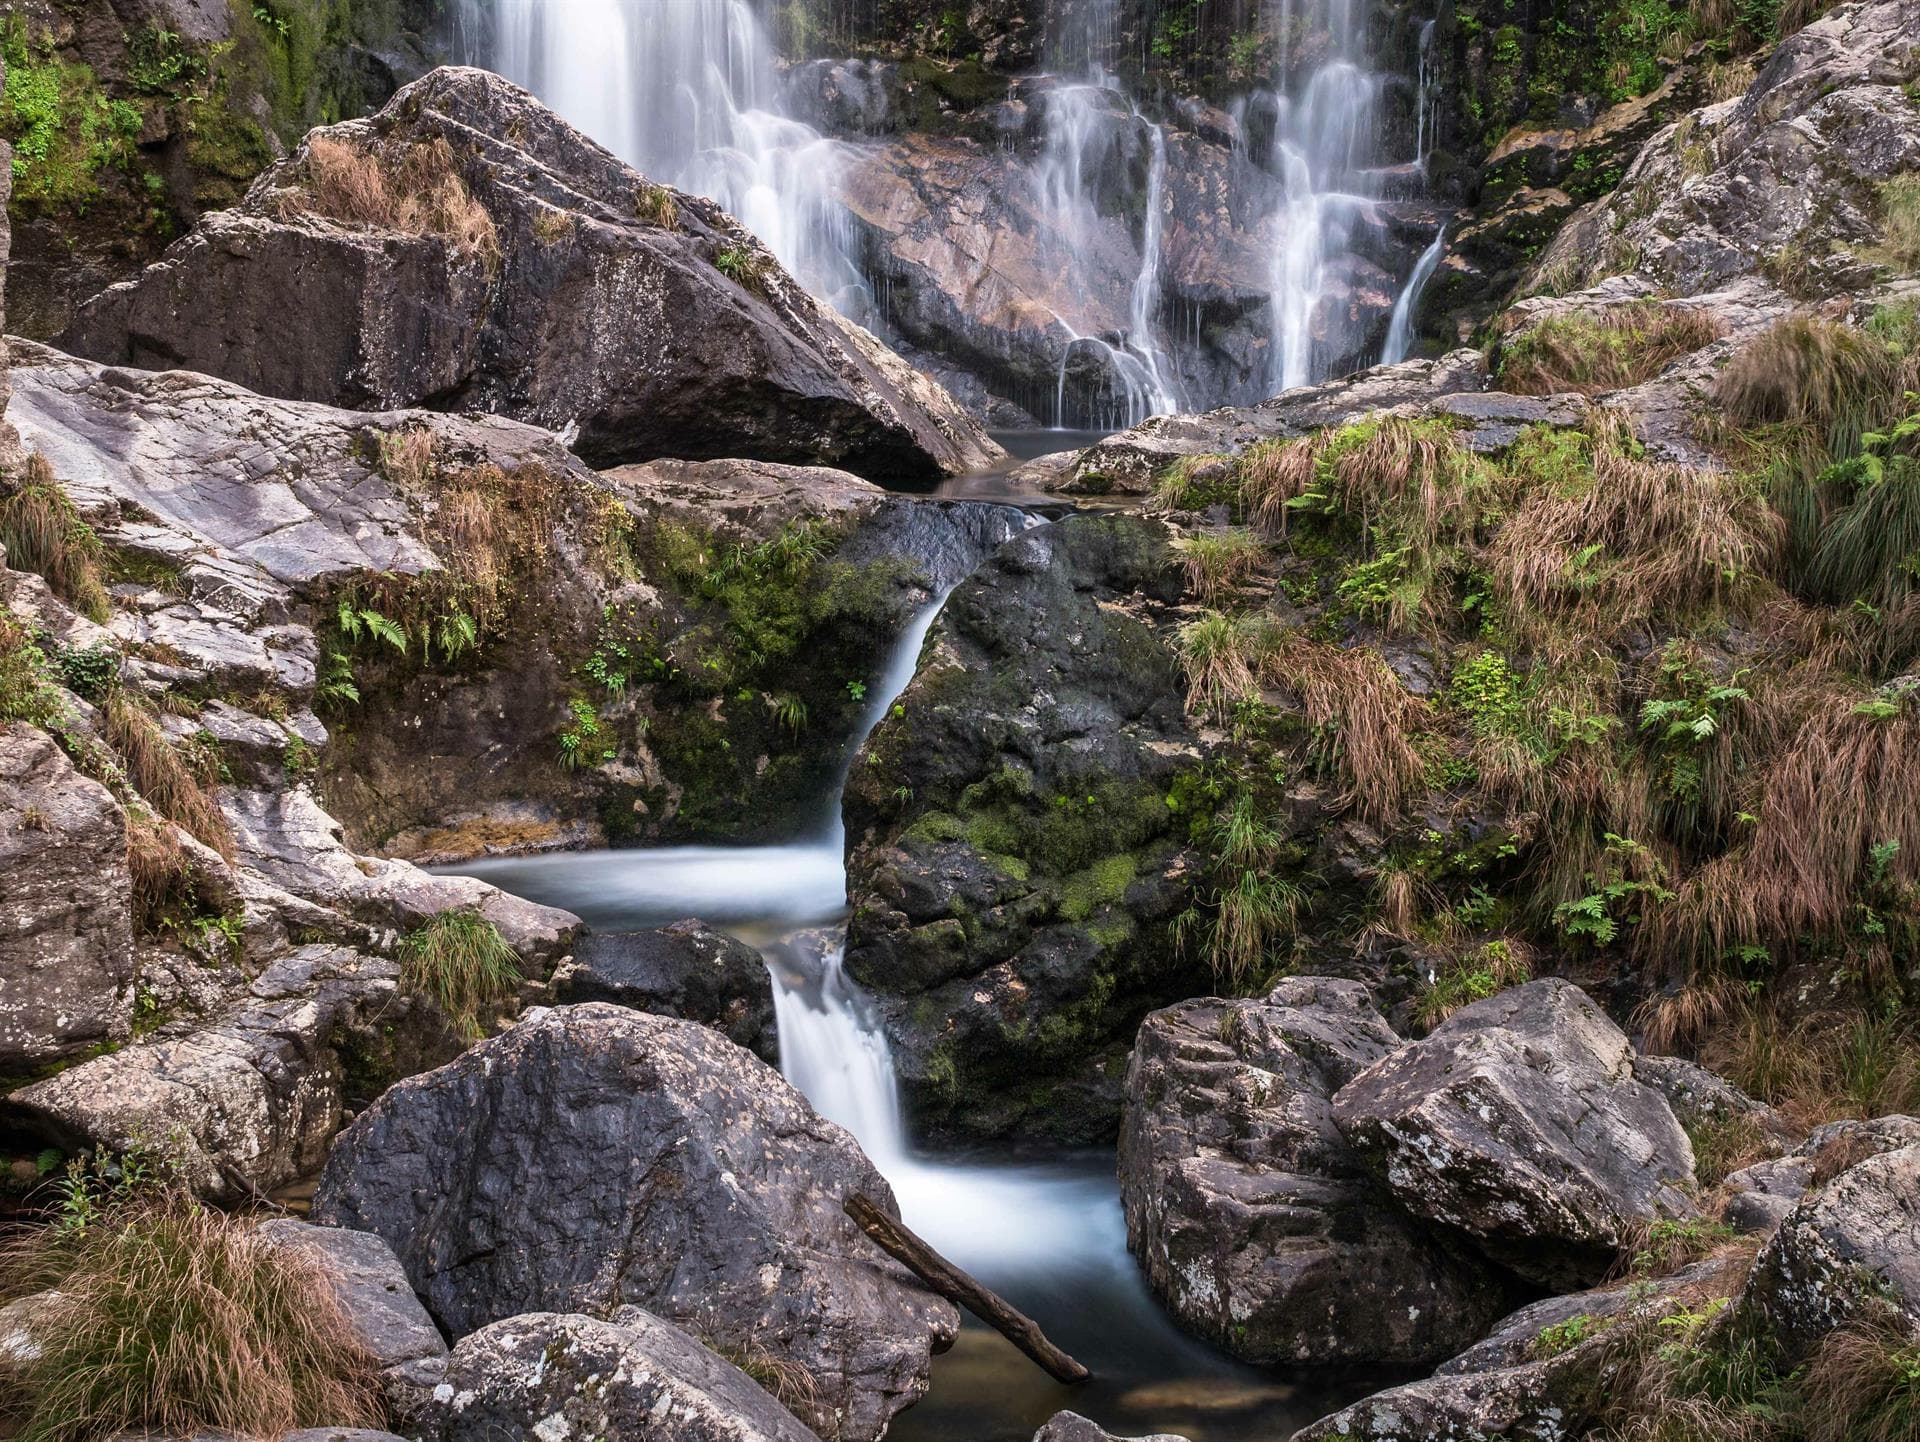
(1013, 857)
(1847, 1253)
(1253, 1218)
(594, 1157)
(640, 338)
(66, 941)
(552, 1375)
(1519, 1123)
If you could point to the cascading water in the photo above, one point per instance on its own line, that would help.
(1399, 341)
(689, 92)
(1323, 142)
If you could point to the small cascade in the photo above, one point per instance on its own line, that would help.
(689, 92)
(1426, 100)
(1407, 306)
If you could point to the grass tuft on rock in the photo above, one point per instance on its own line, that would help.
(460, 960)
(1605, 349)
(43, 533)
(173, 1319)
(173, 783)
(416, 192)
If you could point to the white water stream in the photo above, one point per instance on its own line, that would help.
(1399, 341)
(1047, 1234)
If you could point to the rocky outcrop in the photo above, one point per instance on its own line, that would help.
(250, 1097)
(1518, 1122)
(66, 938)
(1847, 1254)
(1782, 179)
(1072, 1427)
(554, 285)
(593, 1157)
(1013, 859)
(686, 970)
(1254, 1220)
(555, 1375)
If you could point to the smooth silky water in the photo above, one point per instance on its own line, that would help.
(1047, 1234)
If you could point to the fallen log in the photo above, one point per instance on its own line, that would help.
(940, 1275)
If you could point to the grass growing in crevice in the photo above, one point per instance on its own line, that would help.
(1899, 245)
(173, 782)
(418, 191)
(1363, 719)
(173, 1319)
(1604, 349)
(460, 959)
(1254, 906)
(1218, 563)
(43, 533)
(1487, 970)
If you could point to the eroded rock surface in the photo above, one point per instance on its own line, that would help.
(1518, 1122)
(1254, 1220)
(585, 311)
(593, 1157)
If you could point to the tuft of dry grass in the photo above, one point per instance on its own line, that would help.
(172, 1319)
(655, 204)
(1642, 539)
(162, 775)
(418, 192)
(406, 457)
(1603, 349)
(1900, 223)
(1803, 371)
(1365, 720)
(1827, 1066)
(42, 532)
(1221, 656)
(1674, 1020)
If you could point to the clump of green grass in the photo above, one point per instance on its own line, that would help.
(656, 206)
(1489, 969)
(172, 1319)
(1219, 563)
(1605, 349)
(459, 959)
(1221, 656)
(43, 533)
(1254, 906)
(744, 266)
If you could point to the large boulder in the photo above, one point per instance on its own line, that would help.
(528, 273)
(551, 1375)
(1254, 1220)
(593, 1157)
(1519, 1123)
(687, 970)
(66, 939)
(1013, 857)
(1847, 1253)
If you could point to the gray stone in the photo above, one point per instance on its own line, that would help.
(592, 1157)
(1072, 1427)
(619, 330)
(1252, 1218)
(1846, 1253)
(66, 936)
(551, 1375)
(1518, 1122)
(371, 1285)
(686, 970)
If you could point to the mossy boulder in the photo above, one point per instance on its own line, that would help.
(1015, 859)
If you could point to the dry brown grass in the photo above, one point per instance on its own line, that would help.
(1365, 721)
(1643, 540)
(1220, 562)
(1674, 1021)
(161, 872)
(172, 1319)
(1603, 349)
(407, 456)
(1804, 371)
(42, 532)
(162, 775)
(494, 527)
(1275, 472)
(1863, 1384)
(1819, 1067)
(419, 191)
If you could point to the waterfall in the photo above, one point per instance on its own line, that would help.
(1322, 145)
(1407, 305)
(689, 92)
(1426, 98)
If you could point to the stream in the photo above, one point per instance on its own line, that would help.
(1047, 1234)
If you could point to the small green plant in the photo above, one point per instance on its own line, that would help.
(1491, 968)
(1670, 1244)
(1632, 879)
(90, 672)
(656, 205)
(1565, 1335)
(744, 266)
(578, 737)
(788, 711)
(856, 691)
(459, 959)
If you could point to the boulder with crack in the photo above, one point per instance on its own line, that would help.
(1519, 1124)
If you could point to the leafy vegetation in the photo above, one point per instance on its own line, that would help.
(459, 959)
